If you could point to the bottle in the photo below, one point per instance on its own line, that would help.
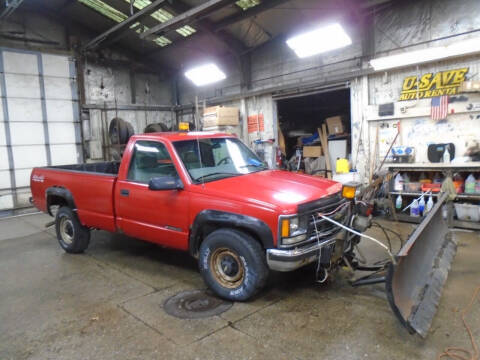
(398, 183)
(421, 205)
(444, 212)
(446, 154)
(398, 202)
(429, 204)
(414, 208)
(470, 184)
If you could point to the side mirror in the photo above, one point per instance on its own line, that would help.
(165, 183)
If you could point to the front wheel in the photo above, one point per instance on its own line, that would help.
(233, 264)
(72, 236)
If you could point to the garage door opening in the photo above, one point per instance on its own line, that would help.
(300, 117)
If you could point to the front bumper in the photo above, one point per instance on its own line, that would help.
(291, 259)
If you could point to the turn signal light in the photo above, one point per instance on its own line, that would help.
(285, 228)
(348, 191)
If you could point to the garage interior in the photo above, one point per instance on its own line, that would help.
(305, 114)
(388, 107)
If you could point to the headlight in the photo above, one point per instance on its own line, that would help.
(293, 230)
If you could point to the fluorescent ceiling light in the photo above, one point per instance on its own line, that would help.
(458, 48)
(319, 40)
(205, 74)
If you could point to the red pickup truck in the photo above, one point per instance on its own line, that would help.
(206, 193)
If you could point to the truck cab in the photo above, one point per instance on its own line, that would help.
(206, 193)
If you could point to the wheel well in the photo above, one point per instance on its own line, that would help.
(55, 200)
(210, 227)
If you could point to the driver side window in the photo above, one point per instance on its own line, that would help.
(150, 159)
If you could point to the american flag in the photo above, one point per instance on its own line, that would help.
(439, 109)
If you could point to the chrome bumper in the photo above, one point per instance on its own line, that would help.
(288, 260)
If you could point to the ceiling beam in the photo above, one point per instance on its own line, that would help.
(242, 15)
(10, 8)
(190, 16)
(234, 45)
(124, 7)
(124, 26)
(138, 60)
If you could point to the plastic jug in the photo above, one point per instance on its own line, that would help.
(342, 166)
(446, 155)
(470, 184)
(414, 208)
(477, 187)
(398, 183)
(398, 202)
(429, 205)
(421, 205)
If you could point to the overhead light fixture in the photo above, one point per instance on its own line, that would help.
(205, 74)
(320, 40)
(458, 48)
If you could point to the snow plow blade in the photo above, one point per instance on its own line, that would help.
(414, 284)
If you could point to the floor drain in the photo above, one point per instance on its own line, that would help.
(195, 304)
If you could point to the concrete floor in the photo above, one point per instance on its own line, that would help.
(107, 304)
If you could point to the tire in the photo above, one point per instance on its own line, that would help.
(158, 127)
(72, 236)
(233, 264)
(119, 131)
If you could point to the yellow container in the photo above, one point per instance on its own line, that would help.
(342, 166)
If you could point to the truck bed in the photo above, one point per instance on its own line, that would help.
(107, 167)
(91, 186)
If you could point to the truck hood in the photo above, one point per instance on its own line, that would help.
(279, 190)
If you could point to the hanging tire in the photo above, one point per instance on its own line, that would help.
(158, 127)
(72, 236)
(233, 264)
(119, 131)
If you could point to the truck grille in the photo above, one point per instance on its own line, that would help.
(325, 228)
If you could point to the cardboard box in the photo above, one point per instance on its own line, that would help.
(220, 116)
(312, 151)
(334, 125)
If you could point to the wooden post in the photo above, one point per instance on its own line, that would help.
(324, 142)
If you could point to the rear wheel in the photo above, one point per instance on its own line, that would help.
(72, 236)
(233, 264)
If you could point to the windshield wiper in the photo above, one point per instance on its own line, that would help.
(215, 174)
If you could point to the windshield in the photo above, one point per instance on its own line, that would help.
(219, 158)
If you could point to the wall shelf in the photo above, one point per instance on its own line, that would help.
(463, 196)
(409, 193)
(447, 169)
(468, 166)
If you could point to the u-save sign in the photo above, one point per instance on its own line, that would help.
(431, 85)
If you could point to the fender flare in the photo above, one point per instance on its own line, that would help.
(61, 193)
(208, 221)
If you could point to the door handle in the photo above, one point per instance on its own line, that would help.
(124, 192)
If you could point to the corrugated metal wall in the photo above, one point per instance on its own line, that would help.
(39, 119)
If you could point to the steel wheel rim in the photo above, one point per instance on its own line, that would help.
(66, 230)
(227, 268)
